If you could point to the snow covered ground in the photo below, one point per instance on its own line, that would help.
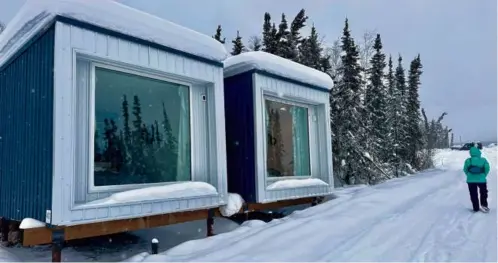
(424, 217)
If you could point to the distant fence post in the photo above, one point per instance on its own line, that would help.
(154, 244)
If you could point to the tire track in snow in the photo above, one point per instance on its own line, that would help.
(395, 213)
(394, 231)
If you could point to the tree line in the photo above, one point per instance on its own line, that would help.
(379, 129)
(136, 151)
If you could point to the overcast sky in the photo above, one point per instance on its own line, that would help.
(457, 40)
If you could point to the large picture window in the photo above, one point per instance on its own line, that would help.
(142, 129)
(288, 150)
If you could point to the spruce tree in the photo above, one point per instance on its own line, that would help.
(294, 39)
(414, 135)
(284, 41)
(376, 104)
(401, 121)
(392, 120)
(311, 50)
(269, 35)
(238, 46)
(217, 36)
(137, 152)
(126, 121)
(346, 112)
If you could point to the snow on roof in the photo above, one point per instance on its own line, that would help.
(111, 15)
(276, 65)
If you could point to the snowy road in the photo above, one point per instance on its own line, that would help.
(425, 217)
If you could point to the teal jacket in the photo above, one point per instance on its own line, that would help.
(476, 160)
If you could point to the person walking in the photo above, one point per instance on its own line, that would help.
(476, 168)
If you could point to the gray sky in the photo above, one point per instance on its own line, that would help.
(457, 40)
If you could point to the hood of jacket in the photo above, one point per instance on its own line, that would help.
(475, 152)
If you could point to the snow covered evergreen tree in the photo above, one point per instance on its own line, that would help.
(414, 135)
(401, 121)
(376, 103)
(311, 50)
(270, 41)
(347, 127)
(238, 45)
(217, 36)
(284, 40)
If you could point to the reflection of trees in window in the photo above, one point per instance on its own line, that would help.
(287, 140)
(137, 153)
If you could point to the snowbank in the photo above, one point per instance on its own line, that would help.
(177, 190)
(276, 65)
(296, 183)
(28, 223)
(36, 14)
(235, 202)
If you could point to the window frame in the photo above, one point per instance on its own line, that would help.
(92, 188)
(311, 114)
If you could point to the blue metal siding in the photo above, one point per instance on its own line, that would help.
(26, 130)
(239, 122)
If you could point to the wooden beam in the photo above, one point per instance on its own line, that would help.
(43, 235)
(118, 226)
(36, 236)
(279, 204)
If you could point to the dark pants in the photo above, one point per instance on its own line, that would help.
(483, 192)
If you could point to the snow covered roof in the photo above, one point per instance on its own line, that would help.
(266, 62)
(111, 15)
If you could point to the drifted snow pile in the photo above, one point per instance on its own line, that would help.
(235, 203)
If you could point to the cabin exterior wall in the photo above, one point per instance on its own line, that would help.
(320, 136)
(239, 118)
(77, 48)
(26, 129)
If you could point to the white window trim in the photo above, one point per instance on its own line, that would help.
(112, 188)
(311, 112)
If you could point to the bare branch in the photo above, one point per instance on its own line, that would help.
(254, 43)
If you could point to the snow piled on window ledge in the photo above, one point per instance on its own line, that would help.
(154, 193)
(296, 183)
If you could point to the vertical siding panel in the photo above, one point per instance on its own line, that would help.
(112, 47)
(101, 45)
(154, 58)
(26, 87)
(124, 51)
(143, 56)
(134, 53)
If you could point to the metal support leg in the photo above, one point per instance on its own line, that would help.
(210, 223)
(4, 228)
(57, 245)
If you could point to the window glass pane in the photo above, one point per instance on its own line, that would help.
(288, 152)
(142, 130)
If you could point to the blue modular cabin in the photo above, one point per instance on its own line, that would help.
(277, 128)
(108, 113)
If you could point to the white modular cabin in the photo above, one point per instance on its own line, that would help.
(279, 143)
(126, 114)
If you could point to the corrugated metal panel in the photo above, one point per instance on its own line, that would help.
(239, 119)
(26, 131)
